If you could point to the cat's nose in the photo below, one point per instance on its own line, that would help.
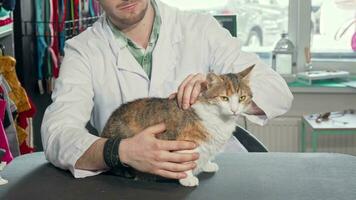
(234, 112)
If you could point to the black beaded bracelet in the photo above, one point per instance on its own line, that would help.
(111, 153)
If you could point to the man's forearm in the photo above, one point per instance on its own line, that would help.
(93, 158)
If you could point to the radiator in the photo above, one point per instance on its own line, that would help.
(283, 135)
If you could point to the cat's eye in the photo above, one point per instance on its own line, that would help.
(224, 98)
(242, 98)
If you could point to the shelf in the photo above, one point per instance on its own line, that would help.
(323, 86)
(6, 30)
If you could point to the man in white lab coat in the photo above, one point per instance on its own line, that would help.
(143, 48)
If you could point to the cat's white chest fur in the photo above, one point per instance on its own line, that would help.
(220, 131)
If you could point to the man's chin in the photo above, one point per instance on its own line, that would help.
(131, 17)
(131, 21)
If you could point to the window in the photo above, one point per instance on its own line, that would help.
(332, 29)
(322, 25)
(326, 26)
(259, 22)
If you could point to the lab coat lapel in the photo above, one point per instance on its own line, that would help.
(124, 59)
(163, 64)
(166, 53)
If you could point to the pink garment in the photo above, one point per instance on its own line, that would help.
(96, 8)
(4, 143)
(353, 42)
(2, 109)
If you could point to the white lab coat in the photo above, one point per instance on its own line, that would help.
(97, 75)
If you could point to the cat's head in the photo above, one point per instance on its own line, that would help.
(228, 94)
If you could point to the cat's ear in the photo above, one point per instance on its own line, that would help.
(245, 74)
(212, 79)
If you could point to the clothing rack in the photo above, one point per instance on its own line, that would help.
(26, 46)
(71, 28)
(53, 23)
(16, 109)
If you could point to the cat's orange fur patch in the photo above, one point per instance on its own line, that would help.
(194, 132)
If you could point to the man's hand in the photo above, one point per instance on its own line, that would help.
(146, 153)
(189, 90)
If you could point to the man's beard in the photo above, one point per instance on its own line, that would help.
(132, 19)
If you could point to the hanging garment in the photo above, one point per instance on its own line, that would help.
(91, 8)
(49, 39)
(5, 21)
(14, 130)
(8, 4)
(62, 18)
(29, 130)
(80, 16)
(18, 93)
(2, 109)
(75, 16)
(25, 148)
(85, 8)
(4, 143)
(22, 125)
(46, 11)
(21, 135)
(55, 45)
(52, 64)
(4, 13)
(41, 43)
(10, 126)
(71, 17)
(96, 6)
(22, 119)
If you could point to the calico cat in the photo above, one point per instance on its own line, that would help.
(209, 122)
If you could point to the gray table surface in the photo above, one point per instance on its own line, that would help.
(274, 176)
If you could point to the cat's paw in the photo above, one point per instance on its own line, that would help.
(211, 167)
(190, 181)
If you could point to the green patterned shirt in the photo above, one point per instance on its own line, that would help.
(142, 56)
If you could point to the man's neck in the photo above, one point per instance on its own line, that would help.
(140, 32)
